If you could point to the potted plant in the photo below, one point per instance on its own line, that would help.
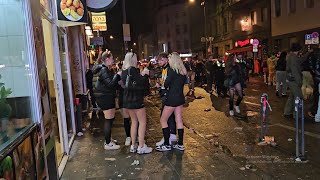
(5, 108)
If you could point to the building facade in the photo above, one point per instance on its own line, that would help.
(292, 20)
(235, 23)
(173, 27)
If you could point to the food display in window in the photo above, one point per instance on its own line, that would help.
(72, 9)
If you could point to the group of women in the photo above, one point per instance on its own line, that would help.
(131, 83)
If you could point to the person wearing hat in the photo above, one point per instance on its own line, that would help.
(294, 77)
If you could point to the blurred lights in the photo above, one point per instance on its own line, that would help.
(111, 37)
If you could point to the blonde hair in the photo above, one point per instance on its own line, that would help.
(176, 63)
(130, 60)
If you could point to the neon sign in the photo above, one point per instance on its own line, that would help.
(242, 43)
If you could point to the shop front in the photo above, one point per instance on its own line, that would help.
(36, 92)
(249, 48)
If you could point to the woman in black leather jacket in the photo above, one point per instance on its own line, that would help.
(133, 101)
(234, 79)
(174, 103)
(105, 94)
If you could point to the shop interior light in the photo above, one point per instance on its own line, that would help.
(88, 32)
(251, 41)
(2, 66)
(88, 28)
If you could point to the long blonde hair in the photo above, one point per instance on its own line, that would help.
(176, 63)
(130, 60)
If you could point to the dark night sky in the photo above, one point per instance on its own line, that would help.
(137, 17)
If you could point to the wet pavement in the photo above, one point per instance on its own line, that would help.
(217, 146)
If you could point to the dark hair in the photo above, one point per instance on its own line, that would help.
(229, 64)
(295, 47)
(162, 55)
(283, 55)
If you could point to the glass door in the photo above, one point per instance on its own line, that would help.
(67, 86)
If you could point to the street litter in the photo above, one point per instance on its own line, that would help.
(135, 163)
(207, 110)
(110, 159)
(210, 136)
(238, 128)
(120, 175)
(248, 166)
(242, 168)
(253, 170)
(212, 166)
(138, 168)
(252, 113)
(128, 157)
(289, 139)
(151, 129)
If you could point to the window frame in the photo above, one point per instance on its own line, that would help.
(290, 6)
(307, 5)
(277, 11)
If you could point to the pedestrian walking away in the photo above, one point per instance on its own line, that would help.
(233, 81)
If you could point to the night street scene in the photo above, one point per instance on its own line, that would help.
(159, 89)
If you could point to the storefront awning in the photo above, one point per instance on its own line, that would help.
(242, 49)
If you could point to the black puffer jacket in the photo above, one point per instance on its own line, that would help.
(314, 62)
(235, 76)
(281, 64)
(106, 81)
(134, 99)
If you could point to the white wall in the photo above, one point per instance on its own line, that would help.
(302, 19)
(14, 62)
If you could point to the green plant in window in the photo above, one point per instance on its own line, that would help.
(5, 108)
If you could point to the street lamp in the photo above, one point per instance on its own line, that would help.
(111, 37)
(191, 1)
(134, 44)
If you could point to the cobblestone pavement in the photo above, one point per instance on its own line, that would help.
(217, 146)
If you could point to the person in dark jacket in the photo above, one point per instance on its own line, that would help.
(233, 81)
(209, 66)
(133, 99)
(174, 102)
(105, 94)
(294, 78)
(314, 62)
(281, 74)
(164, 63)
(219, 76)
(123, 110)
(89, 81)
(190, 66)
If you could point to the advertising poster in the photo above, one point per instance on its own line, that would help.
(72, 10)
(23, 161)
(6, 168)
(39, 155)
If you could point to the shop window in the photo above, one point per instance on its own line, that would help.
(17, 96)
(178, 45)
(277, 4)
(264, 14)
(177, 29)
(309, 3)
(278, 44)
(292, 6)
(185, 28)
(253, 17)
(186, 44)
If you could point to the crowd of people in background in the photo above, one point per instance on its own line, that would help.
(125, 85)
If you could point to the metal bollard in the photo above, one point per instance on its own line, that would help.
(299, 108)
(264, 109)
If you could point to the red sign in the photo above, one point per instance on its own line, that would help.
(242, 43)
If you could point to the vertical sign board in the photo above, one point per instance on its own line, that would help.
(126, 32)
(312, 38)
(99, 21)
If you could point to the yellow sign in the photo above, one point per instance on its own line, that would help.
(99, 21)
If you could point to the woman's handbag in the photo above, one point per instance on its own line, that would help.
(130, 82)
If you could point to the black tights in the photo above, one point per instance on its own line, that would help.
(232, 91)
(127, 126)
(107, 129)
